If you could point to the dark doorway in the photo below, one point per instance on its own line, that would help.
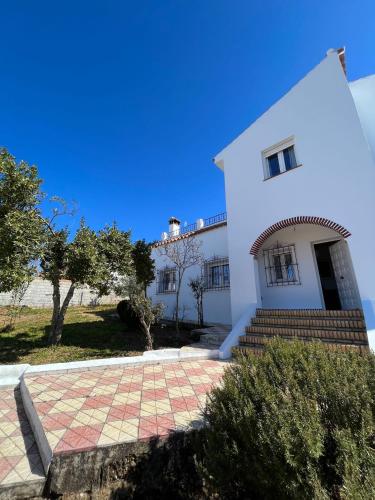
(327, 276)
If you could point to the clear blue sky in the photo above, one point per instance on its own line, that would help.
(122, 105)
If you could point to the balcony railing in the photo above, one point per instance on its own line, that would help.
(210, 221)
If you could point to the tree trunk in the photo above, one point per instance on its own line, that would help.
(201, 320)
(177, 324)
(58, 315)
(56, 311)
(149, 341)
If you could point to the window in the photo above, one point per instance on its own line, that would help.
(216, 274)
(281, 266)
(167, 281)
(279, 159)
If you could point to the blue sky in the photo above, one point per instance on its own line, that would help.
(122, 105)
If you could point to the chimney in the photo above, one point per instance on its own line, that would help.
(174, 226)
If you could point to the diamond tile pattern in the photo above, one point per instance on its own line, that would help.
(82, 410)
(19, 457)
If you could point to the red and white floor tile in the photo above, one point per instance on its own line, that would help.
(100, 407)
(19, 457)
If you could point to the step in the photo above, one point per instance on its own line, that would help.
(310, 313)
(319, 323)
(330, 337)
(343, 335)
(258, 350)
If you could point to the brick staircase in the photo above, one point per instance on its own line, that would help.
(340, 330)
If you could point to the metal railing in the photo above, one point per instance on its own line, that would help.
(210, 221)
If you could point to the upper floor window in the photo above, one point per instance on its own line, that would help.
(279, 159)
(167, 280)
(216, 274)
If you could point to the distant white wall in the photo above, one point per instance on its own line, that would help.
(308, 292)
(39, 294)
(363, 92)
(216, 303)
(336, 180)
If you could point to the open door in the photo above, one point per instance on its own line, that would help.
(327, 276)
(344, 274)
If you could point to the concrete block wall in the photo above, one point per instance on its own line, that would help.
(39, 294)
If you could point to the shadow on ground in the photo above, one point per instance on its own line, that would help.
(96, 334)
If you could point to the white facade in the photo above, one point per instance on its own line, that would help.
(334, 144)
(216, 302)
(284, 231)
(363, 92)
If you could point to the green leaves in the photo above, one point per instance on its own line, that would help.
(94, 259)
(297, 422)
(144, 265)
(21, 227)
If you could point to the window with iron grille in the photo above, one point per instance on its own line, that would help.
(216, 274)
(166, 282)
(281, 266)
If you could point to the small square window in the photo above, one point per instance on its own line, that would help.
(216, 274)
(167, 281)
(279, 159)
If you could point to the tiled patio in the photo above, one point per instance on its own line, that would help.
(83, 410)
(19, 457)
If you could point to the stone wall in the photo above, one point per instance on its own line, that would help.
(39, 294)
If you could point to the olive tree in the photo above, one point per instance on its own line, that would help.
(97, 259)
(21, 226)
(183, 253)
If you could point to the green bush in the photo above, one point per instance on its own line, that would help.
(128, 315)
(297, 422)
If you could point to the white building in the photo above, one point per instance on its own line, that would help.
(300, 196)
(211, 236)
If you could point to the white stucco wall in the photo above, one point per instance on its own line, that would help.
(39, 294)
(336, 180)
(363, 92)
(308, 291)
(216, 303)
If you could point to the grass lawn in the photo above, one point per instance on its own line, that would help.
(89, 332)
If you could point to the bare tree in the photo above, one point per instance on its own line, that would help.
(182, 253)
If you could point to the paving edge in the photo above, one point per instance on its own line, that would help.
(26, 489)
(44, 448)
(11, 375)
(148, 357)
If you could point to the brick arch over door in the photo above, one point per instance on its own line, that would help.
(293, 221)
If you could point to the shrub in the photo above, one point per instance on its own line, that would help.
(128, 315)
(297, 422)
